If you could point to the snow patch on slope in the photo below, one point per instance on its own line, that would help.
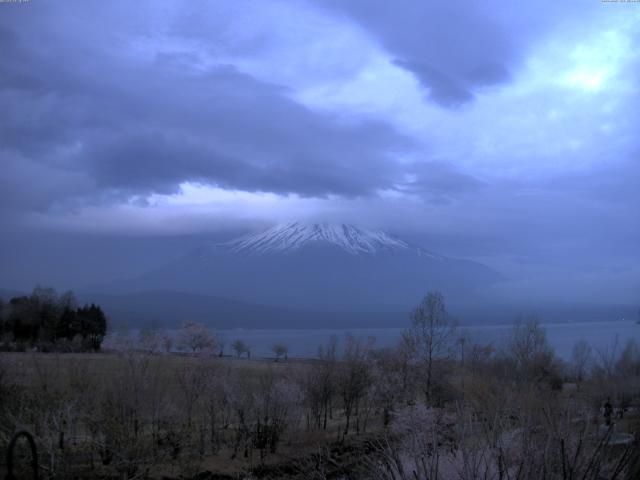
(294, 236)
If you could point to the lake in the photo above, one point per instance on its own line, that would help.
(562, 336)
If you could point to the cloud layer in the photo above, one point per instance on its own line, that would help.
(500, 131)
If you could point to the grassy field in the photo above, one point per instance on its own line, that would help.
(51, 394)
(134, 415)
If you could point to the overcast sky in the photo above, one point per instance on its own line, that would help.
(505, 131)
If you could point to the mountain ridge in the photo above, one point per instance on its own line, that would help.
(317, 267)
(293, 236)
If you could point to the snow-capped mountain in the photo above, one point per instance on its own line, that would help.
(296, 236)
(320, 267)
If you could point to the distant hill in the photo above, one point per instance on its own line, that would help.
(317, 267)
(171, 309)
(315, 275)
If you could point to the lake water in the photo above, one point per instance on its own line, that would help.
(562, 336)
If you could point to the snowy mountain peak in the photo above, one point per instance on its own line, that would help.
(294, 236)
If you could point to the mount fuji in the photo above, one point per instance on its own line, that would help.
(296, 236)
(299, 271)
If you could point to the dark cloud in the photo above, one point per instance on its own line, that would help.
(443, 89)
(104, 103)
(145, 126)
(456, 48)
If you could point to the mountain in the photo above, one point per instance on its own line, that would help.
(350, 275)
(297, 236)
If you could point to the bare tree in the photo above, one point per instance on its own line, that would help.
(318, 385)
(167, 342)
(606, 358)
(280, 350)
(430, 335)
(628, 363)
(392, 379)
(196, 337)
(580, 360)
(221, 341)
(528, 347)
(149, 340)
(275, 401)
(354, 377)
(240, 347)
(120, 420)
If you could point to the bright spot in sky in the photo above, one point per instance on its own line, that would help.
(595, 63)
(584, 78)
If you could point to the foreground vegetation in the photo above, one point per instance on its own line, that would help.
(436, 406)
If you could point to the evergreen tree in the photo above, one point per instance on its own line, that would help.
(43, 316)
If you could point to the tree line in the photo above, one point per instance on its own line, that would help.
(192, 337)
(436, 405)
(49, 321)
